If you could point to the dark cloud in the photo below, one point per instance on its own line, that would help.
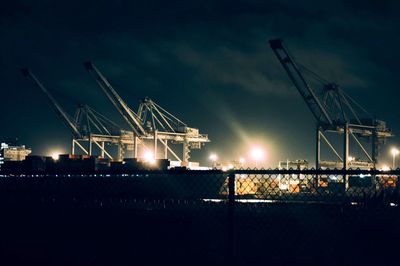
(208, 62)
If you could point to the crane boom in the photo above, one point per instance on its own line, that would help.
(130, 116)
(59, 110)
(288, 63)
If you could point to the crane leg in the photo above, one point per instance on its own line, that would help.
(155, 144)
(135, 147)
(317, 155)
(186, 152)
(166, 150)
(346, 154)
(73, 147)
(90, 147)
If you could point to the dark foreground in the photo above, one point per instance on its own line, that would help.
(195, 233)
(161, 219)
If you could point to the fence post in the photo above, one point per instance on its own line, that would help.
(231, 218)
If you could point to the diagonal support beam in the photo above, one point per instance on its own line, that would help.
(80, 146)
(170, 150)
(361, 146)
(331, 146)
(102, 149)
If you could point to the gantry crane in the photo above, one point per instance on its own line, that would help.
(152, 122)
(88, 127)
(334, 111)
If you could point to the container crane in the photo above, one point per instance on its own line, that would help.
(166, 127)
(152, 122)
(334, 111)
(88, 127)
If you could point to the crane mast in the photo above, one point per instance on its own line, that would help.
(59, 110)
(88, 127)
(152, 122)
(130, 117)
(319, 112)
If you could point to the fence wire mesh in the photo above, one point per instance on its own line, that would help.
(238, 217)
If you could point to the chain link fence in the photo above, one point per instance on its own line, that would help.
(238, 217)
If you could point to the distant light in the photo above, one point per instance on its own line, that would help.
(55, 155)
(394, 151)
(3, 145)
(213, 157)
(333, 177)
(230, 166)
(242, 160)
(385, 168)
(350, 159)
(149, 157)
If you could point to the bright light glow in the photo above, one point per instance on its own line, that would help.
(149, 157)
(394, 151)
(351, 158)
(213, 157)
(257, 154)
(242, 160)
(55, 155)
(385, 168)
(230, 166)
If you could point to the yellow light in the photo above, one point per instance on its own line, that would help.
(351, 159)
(242, 160)
(257, 154)
(55, 155)
(149, 157)
(385, 168)
(394, 151)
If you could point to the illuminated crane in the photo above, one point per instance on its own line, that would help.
(88, 127)
(152, 122)
(334, 110)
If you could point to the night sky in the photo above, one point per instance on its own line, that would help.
(207, 62)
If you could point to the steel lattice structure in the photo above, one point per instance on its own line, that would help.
(88, 127)
(334, 111)
(152, 123)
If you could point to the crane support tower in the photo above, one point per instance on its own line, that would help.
(334, 111)
(152, 123)
(88, 127)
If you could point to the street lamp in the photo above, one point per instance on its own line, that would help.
(394, 152)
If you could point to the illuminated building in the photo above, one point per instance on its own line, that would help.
(13, 153)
